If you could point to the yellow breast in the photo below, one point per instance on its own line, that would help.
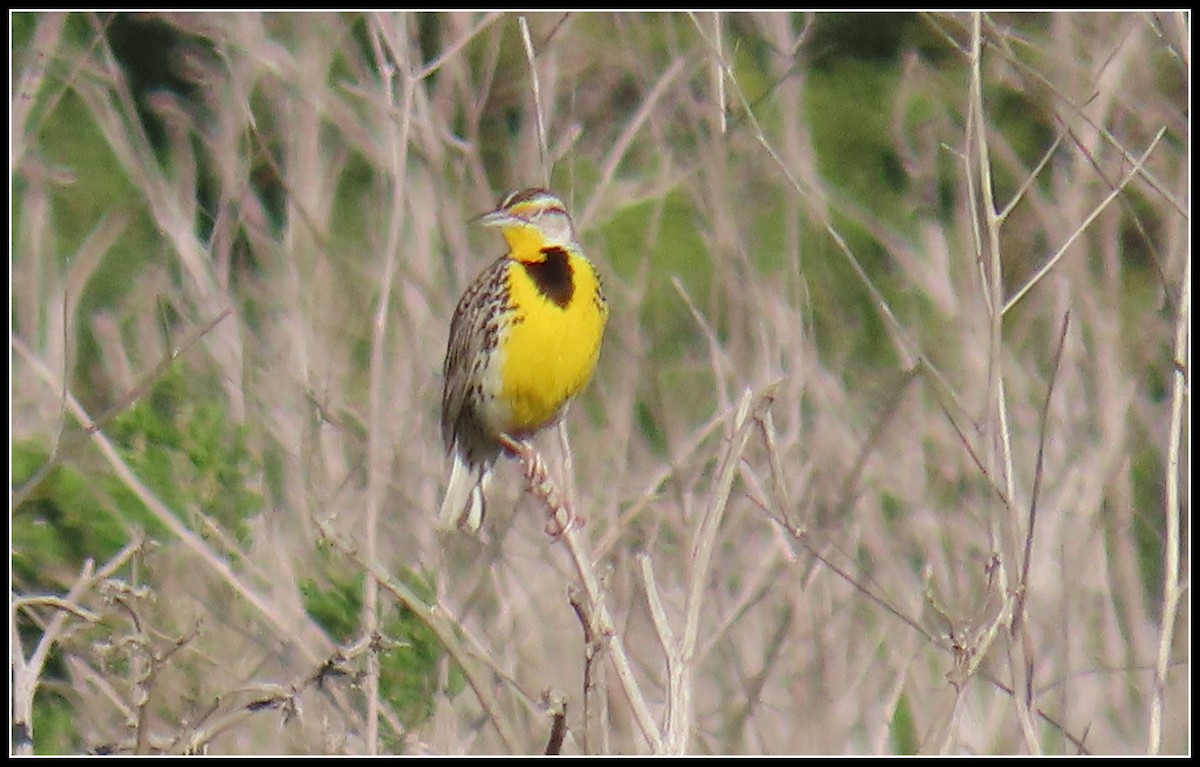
(550, 347)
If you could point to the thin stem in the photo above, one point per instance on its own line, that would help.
(680, 724)
(436, 620)
(543, 151)
(1050, 264)
(1001, 464)
(544, 488)
(1172, 588)
(577, 547)
(388, 37)
(292, 627)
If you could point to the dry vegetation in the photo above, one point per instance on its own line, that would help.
(886, 452)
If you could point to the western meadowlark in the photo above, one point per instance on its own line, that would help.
(524, 340)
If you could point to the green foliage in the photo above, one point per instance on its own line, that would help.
(337, 607)
(185, 450)
(1026, 123)
(661, 237)
(903, 729)
(62, 521)
(146, 48)
(852, 135)
(411, 655)
(55, 731)
(855, 152)
(73, 142)
(356, 184)
(875, 37)
(1149, 526)
(650, 428)
(892, 509)
(184, 447)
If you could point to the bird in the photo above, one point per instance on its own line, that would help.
(524, 341)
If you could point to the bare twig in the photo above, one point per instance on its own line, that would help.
(1078, 110)
(613, 159)
(125, 401)
(1000, 457)
(1053, 261)
(539, 112)
(681, 713)
(557, 705)
(294, 628)
(1019, 628)
(388, 37)
(236, 706)
(968, 648)
(1023, 583)
(542, 486)
(901, 338)
(437, 621)
(58, 603)
(656, 480)
(46, 38)
(451, 50)
(595, 706)
(719, 73)
(1172, 587)
(27, 672)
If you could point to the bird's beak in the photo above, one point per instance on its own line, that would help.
(498, 218)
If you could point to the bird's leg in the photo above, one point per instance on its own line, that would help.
(543, 486)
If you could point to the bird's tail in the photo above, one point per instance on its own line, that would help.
(463, 505)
